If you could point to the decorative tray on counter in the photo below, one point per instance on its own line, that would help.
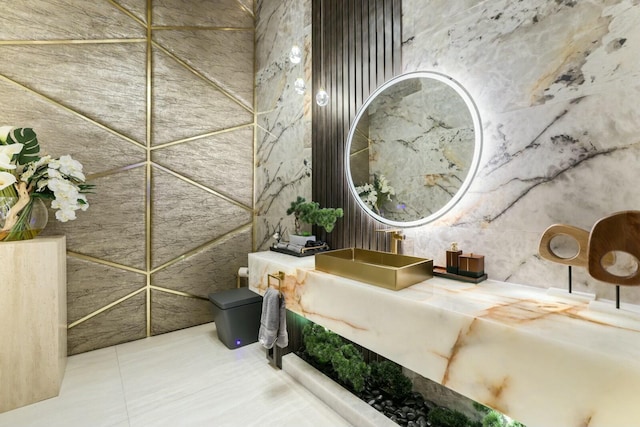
(442, 272)
(305, 251)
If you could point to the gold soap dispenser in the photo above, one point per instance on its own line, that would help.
(453, 255)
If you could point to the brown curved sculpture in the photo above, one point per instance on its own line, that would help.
(581, 236)
(617, 232)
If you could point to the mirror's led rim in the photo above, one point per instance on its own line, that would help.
(475, 162)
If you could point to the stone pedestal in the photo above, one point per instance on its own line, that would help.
(33, 320)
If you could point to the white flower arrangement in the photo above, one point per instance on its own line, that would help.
(25, 175)
(377, 194)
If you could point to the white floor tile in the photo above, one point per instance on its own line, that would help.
(91, 395)
(186, 378)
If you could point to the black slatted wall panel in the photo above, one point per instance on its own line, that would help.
(356, 47)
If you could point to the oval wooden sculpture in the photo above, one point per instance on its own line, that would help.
(581, 237)
(617, 232)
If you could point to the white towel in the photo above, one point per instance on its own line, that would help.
(273, 319)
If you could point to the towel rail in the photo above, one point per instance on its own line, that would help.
(279, 277)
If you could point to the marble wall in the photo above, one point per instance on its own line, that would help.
(283, 117)
(556, 84)
(156, 100)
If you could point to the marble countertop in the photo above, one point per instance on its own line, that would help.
(544, 358)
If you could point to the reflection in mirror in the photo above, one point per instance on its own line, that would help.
(413, 149)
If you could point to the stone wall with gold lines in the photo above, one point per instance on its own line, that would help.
(155, 98)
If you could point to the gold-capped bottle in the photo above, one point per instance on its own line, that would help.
(453, 255)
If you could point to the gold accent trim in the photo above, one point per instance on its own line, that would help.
(148, 200)
(355, 153)
(148, 304)
(128, 13)
(115, 171)
(254, 216)
(246, 9)
(201, 248)
(267, 131)
(69, 41)
(70, 110)
(202, 187)
(201, 76)
(201, 136)
(105, 262)
(197, 28)
(179, 293)
(105, 308)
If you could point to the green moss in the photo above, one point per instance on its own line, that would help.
(493, 419)
(328, 348)
(350, 366)
(388, 377)
(443, 417)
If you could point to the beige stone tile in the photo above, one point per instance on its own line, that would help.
(114, 97)
(59, 19)
(113, 228)
(223, 162)
(170, 312)
(121, 323)
(185, 217)
(61, 132)
(208, 271)
(229, 59)
(212, 13)
(91, 286)
(187, 105)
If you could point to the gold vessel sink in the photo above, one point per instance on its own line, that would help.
(387, 270)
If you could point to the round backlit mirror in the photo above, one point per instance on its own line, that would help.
(413, 149)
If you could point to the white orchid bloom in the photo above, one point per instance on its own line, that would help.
(83, 206)
(53, 173)
(6, 154)
(71, 167)
(4, 132)
(65, 215)
(6, 179)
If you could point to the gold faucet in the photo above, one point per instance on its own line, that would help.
(396, 236)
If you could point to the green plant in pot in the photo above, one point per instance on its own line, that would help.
(311, 213)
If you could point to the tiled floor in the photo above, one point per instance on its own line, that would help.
(186, 378)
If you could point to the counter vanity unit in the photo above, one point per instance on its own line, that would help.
(543, 358)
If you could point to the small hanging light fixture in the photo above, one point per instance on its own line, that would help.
(295, 55)
(299, 85)
(322, 97)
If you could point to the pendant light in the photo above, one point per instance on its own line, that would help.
(295, 55)
(322, 97)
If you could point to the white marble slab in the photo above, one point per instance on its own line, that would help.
(541, 358)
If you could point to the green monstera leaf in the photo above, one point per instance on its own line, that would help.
(31, 150)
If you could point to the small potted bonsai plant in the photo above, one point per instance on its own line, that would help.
(311, 213)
